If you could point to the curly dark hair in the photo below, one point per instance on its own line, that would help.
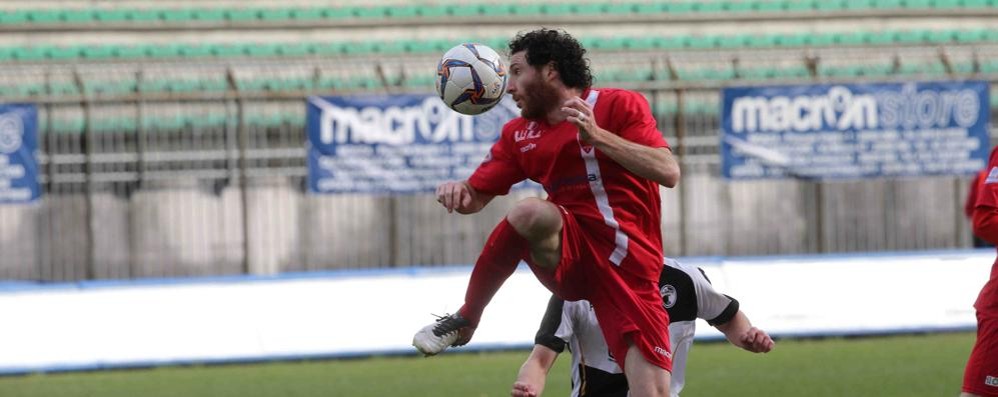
(549, 45)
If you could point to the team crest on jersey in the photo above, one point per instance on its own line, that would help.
(992, 176)
(669, 295)
(531, 132)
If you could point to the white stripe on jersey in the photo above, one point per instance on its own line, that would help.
(602, 201)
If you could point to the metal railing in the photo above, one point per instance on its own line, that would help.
(230, 199)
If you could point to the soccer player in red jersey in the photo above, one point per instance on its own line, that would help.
(980, 378)
(601, 159)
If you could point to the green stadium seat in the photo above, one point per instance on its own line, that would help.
(859, 5)
(689, 7)
(276, 14)
(177, 15)
(130, 51)
(911, 36)
(143, 15)
(733, 41)
(6, 54)
(227, 50)
(760, 41)
(820, 39)
(308, 14)
(556, 9)
(971, 36)
(44, 16)
(63, 88)
(528, 9)
(797, 6)
(360, 47)
(919, 4)
(111, 15)
(615, 43)
(262, 50)
(391, 47)
(702, 42)
(941, 36)
(337, 13)
(641, 43)
(78, 16)
(242, 14)
(791, 40)
(465, 10)
(887, 4)
(196, 51)
(977, 3)
(768, 5)
(153, 85)
(371, 12)
(214, 85)
(432, 11)
(738, 6)
(403, 11)
(671, 42)
(849, 38)
(30, 53)
(329, 48)
(97, 52)
(591, 9)
(879, 38)
(651, 8)
(13, 17)
(831, 5)
(63, 53)
(208, 14)
(295, 49)
(163, 51)
(619, 8)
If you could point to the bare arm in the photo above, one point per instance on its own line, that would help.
(741, 333)
(533, 373)
(656, 164)
(461, 197)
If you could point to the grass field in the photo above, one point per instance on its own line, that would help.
(908, 366)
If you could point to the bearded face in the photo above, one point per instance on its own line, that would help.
(537, 98)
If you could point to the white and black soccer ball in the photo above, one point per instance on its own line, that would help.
(471, 78)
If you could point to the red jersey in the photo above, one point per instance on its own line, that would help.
(620, 211)
(986, 227)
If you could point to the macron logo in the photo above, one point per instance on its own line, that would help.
(991, 381)
(668, 355)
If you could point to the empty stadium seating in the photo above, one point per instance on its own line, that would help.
(96, 16)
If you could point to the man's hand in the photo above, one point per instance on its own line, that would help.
(523, 389)
(578, 112)
(757, 341)
(454, 195)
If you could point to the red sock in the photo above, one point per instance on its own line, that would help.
(503, 251)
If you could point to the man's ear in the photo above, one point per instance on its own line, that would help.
(551, 71)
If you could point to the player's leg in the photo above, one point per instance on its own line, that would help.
(532, 228)
(645, 379)
(980, 378)
(539, 222)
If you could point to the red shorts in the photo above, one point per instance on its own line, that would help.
(981, 374)
(629, 308)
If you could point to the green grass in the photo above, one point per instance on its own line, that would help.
(908, 366)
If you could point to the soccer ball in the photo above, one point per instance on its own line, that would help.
(471, 78)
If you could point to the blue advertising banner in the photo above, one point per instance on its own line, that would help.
(855, 130)
(18, 144)
(396, 143)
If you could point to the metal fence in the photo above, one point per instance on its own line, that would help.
(152, 199)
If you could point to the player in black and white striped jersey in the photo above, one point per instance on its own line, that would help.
(687, 295)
